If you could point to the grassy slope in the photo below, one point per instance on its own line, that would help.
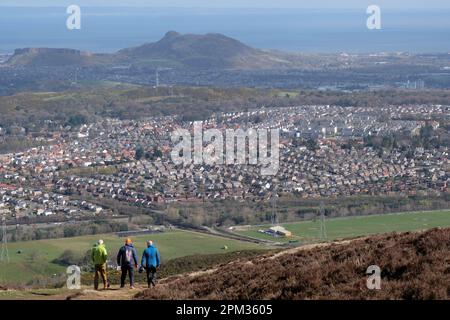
(36, 256)
(173, 267)
(362, 225)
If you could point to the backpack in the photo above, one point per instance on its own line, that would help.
(128, 254)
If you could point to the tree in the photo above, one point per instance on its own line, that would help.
(157, 153)
(139, 153)
(76, 120)
(311, 144)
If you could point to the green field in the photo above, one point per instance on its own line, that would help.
(348, 227)
(36, 257)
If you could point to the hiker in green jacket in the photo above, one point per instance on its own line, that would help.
(99, 256)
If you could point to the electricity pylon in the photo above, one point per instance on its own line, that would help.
(4, 256)
(323, 228)
(274, 217)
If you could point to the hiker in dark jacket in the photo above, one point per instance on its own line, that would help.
(150, 261)
(127, 260)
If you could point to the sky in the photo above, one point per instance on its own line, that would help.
(388, 4)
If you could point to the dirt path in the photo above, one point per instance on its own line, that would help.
(313, 246)
(114, 293)
(85, 293)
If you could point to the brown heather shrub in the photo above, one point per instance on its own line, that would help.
(414, 266)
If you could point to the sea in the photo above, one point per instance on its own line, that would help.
(108, 29)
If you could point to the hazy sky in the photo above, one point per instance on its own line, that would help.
(401, 4)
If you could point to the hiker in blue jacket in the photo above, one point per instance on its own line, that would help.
(150, 261)
(127, 260)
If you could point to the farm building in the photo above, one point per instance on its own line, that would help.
(277, 231)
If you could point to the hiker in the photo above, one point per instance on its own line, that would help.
(127, 260)
(151, 260)
(99, 256)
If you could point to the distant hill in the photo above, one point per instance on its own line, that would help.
(209, 51)
(414, 265)
(212, 51)
(51, 57)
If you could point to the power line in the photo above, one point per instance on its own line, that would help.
(157, 78)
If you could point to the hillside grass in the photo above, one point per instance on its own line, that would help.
(35, 257)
